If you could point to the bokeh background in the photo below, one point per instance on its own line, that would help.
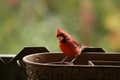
(25, 23)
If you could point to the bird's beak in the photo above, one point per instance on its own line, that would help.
(60, 38)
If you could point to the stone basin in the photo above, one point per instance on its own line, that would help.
(88, 66)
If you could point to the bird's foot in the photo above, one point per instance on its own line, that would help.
(73, 60)
(64, 59)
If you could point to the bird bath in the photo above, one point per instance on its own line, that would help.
(47, 66)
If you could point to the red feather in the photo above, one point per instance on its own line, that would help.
(70, 47)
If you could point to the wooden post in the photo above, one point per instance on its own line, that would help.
(86, 18)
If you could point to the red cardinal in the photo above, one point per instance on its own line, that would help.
(68, 45)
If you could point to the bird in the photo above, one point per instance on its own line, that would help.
(68, 45)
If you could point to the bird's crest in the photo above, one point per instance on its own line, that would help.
(60, 31)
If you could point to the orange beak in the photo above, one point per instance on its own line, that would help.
(60, 38)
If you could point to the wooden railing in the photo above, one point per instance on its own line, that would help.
(9, 69)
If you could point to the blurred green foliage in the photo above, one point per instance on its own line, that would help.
(34, 23)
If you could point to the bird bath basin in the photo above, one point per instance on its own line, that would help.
(47, 66)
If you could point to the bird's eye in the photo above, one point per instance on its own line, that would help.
(57, 35)
(60, 35)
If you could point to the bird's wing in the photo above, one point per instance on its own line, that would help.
(76, 43)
